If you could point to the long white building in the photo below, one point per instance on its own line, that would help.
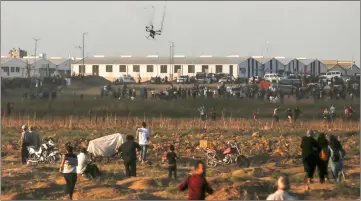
(153, 65)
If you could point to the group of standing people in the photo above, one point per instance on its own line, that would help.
(28, 138)
(321, 153)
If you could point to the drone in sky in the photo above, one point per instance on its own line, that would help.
(150, 27)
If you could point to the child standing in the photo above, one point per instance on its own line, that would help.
(172, 162)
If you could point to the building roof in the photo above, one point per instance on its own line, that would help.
(5, 60)
(163, 60)
(284, 61)
(58, 61)
(263, 60)
(329, 63)
(345, 64)
(306, 61)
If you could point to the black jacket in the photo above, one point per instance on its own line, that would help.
(309, 147)
(128, 150)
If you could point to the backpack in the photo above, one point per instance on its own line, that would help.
(325, 153)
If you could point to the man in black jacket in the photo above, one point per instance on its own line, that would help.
(310, 154)
(129, 154)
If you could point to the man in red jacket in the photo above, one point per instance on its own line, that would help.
(196, 183)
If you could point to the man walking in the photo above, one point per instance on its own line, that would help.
(143, 137)
(25, 140)
(129, 154)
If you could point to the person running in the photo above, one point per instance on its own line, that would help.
(322, 165)
(326, 115)
(68, 166)
(333, 112)
(202, 112)
(283, 186)
(143, 137)
(296, 113)
(129, 154)
(336, 157)
(196, 183)
(310, 154)
(172, 162)
(289, 114)
(275, 114)
(25, 140)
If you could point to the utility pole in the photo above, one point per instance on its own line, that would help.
(171, 50)
(84, 46)
(36, 45)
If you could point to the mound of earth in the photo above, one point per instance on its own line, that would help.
(143, 184)
(90, 81)
(225, 194)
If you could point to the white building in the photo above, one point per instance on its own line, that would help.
(40, 66)
(13, 67)
(244, 67)
(63, 66)
(152, 65)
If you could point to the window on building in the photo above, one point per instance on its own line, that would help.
(81, 69)
(163, 69)
(191, 69)
(219, 68)
(149, 68)
(177, 68)
(12, 69)
(5, 69)
(231, 69)
(205, 68)
(122, 68)
(17, 69)
(109, 68)
(51, 70)
(136, 68)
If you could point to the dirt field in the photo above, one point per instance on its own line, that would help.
(273, 150)
(270, 155)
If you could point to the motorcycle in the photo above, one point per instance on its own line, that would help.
(47, 152)
(231, 155)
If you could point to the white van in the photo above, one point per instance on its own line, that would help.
(332, 74)
(272, 77)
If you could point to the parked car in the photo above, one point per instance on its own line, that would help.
(271, 77)
(201, 77)
(211, 77)
(333, 74)
(293, 80)
(226, 80)
(183, 79)
(125, 79)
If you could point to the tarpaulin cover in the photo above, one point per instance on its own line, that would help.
(107, 145)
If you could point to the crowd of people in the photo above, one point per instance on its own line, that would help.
(321, 152)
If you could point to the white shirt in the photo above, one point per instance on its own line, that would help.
(275, 111)
(143, 136)
(280, 195)
(332, 109)
(83, 161)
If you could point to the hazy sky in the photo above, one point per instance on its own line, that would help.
(324, 30)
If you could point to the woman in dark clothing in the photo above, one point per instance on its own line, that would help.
(324, 157)
(336, 157)
(68, 166)
(310, 154)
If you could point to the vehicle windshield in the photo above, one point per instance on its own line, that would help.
(200, 75)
